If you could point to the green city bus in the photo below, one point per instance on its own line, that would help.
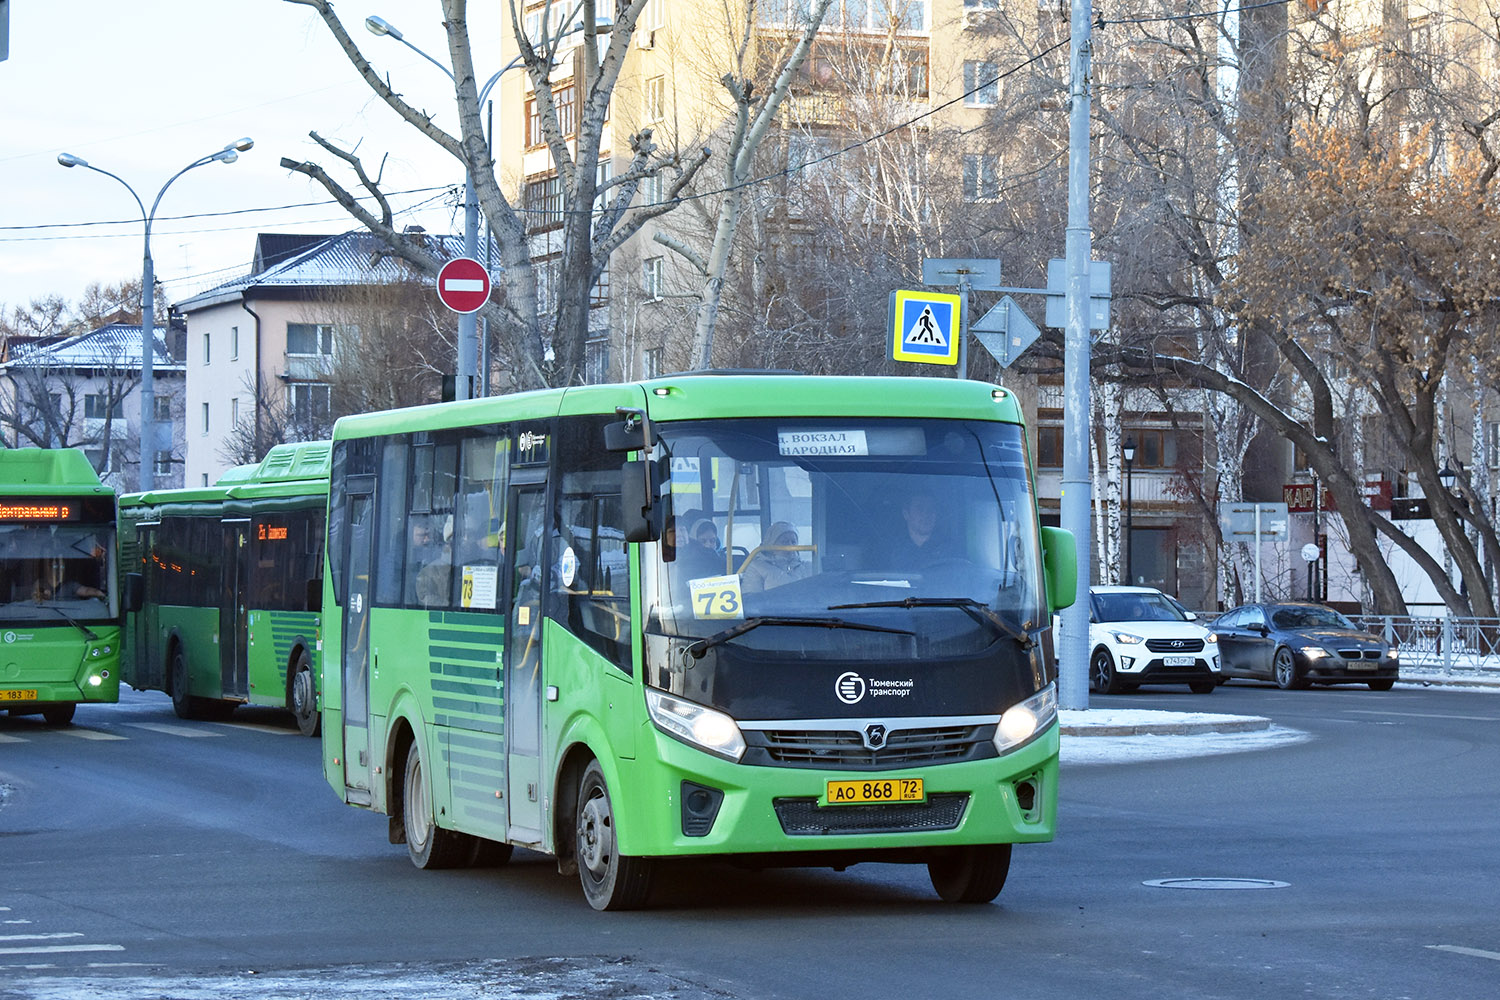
(527, 646)
(225, 610)
(60, 621)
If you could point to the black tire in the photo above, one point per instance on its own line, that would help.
(1284, 670)
(973, 874)
(1382, 685)
(1203, 687)
(184, 704)
(611, 881)
(1102, 676)
(302, 696)
(59, 715)
(427, 844)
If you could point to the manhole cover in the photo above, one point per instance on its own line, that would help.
(1216, 883)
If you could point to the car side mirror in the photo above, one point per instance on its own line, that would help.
(1191, 616)
(1261, 627)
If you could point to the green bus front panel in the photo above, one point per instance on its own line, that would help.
(55, 664)
(273, 637)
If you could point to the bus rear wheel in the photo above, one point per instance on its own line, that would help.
(427, 844)
(973, 874)
(302, 697)
(59, 715)
(611, 881)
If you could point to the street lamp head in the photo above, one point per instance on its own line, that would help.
(1129, 450)
(380, 26)
(242, 144)
(69, 160)
(1446, 476)
(226, 156)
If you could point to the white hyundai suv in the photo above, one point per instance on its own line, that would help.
(1138, 635)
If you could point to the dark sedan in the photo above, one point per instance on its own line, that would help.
(1299, 644)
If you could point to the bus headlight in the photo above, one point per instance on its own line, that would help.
(696, 724)
(1025, 719)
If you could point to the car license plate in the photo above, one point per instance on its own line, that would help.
(1362, 666)
(843, 793)
(1178, 661)
(22, 694)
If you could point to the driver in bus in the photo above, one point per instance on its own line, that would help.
(921, 541)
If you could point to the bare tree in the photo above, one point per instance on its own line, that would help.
(597, 216)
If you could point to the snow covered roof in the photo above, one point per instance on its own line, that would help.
(115, 346)
(289, 263)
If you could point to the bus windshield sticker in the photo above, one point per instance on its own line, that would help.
(479, 586)
(822, 442)
(717, 597)
(568, 566)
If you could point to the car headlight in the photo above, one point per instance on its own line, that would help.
(1314, 652)
(696, 724)
(1127, 638)
(1025, 719)
(1211, 637)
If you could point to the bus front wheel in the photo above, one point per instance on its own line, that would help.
(427, 844)
(611, 881)
(973, 874)
(303, 696)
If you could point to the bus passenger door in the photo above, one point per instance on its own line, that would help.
(355, 667)
(523, 663)
(233, 662)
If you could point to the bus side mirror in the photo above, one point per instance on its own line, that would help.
(635, 502)
(631, 434)
(135, 591)
(1060, 567)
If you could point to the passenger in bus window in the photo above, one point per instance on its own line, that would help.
(776, 563)
(435, 579)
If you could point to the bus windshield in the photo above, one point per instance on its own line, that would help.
(898, 539)
(50, 568)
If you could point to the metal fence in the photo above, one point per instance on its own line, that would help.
(1451, 647)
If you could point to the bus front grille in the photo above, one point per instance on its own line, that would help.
(847, 749)
(803, 817)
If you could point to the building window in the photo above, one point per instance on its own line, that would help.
(981, 4)
(652, 16)
(234, 412)
(599, 296)
(234, 343)
(163, 407)
(981, 84)
(163, 464)
(207, 344)
(656, 99)
(653, 190)
(97, 407)
(544, 203)
(651, 362)
(981, 177)
(651, 278)
(205, 479)
(1049, 447)
(309, 339)
(205, 418)
(309, 404)
(596, 360)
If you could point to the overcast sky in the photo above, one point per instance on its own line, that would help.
(142, 88)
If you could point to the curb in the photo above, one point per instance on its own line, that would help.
(1488, 680)
(1224, 724)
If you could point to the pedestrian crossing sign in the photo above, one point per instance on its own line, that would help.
(925, 327)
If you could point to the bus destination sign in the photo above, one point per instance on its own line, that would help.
(37, 510)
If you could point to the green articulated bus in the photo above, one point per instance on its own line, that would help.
(227, 583)
(60, 621)
(535, 636)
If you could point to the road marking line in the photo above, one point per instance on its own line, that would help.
(89, 734)
(1426, 715)
(40, 937)
(253, 728)
(12, 739)
(1493, 956)
(170, 730)
(59, 949)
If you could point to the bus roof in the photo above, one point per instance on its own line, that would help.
(700, 395)
(37, 471)
(293, 470)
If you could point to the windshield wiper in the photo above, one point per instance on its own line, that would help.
(702, 646)
(88, 633)
(977, 610)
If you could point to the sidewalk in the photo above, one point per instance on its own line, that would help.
(1145, 722)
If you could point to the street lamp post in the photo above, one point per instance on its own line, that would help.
(468, 323)
(1129, 452)
(228, 154)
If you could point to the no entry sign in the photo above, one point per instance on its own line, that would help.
(463, 285)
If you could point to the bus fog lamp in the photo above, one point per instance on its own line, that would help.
(95, 680)
(1024, 720)
(696, 724)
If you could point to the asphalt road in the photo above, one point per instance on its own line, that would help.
(145, 857)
